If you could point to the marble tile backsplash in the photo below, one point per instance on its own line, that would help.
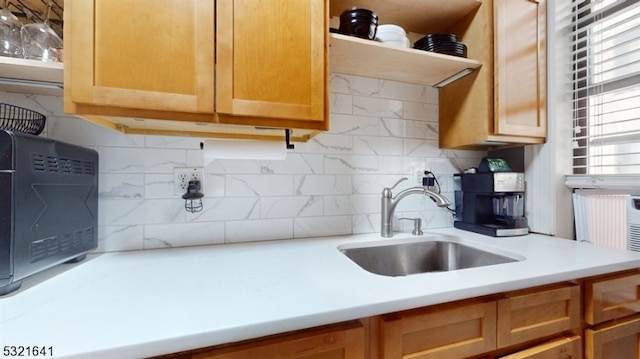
(331, 185)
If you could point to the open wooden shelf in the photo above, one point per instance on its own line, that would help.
(31, 76)
(355, 56)
(421, 16)
(361, 57)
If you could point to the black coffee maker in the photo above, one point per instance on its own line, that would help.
(490, 200)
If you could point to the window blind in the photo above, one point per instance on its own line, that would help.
(606, 86)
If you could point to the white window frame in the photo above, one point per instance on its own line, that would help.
(615, 182)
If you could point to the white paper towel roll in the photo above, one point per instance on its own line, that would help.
(244, 150)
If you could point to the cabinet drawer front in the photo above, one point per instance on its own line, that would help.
(535, 315)
(440, 332)
(612, 298)
(620, 340)
(564, 348)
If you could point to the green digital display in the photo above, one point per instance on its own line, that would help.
(494, 165)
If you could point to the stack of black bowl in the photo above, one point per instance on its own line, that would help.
(359, 22)
(447, 44)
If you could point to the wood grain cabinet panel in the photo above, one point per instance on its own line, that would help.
(539, 314)
(247, 69)
(563, 348)
(619, 340)
(458, 331)
(162, 61)
(272, 59)
(342, 342)
(520, 68)
(504, 102)
(612, 298)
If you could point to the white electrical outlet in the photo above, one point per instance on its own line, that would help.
(418, 175)
(182, 176)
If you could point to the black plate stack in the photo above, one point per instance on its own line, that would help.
(359, 22)
(447, 44)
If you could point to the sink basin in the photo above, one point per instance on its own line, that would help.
(422, 255)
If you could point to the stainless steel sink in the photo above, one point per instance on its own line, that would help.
(425, 254)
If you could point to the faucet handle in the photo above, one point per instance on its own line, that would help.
(386, 192)
(417, 225)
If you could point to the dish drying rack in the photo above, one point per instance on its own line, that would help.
(19, 119)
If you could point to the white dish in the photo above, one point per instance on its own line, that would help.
(392, 35)
(391, 28)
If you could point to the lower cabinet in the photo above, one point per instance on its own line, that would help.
(491, 325)
(536, 323)
(537, 314)
(618, 340)
(563, 348)
(612, 304)
(442, 331)
(611, 297)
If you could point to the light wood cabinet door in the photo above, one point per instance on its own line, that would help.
(563, 348)
(619, 340)
(153, 55)
(503, 102)
(538, 314)
(612, 298)
(520, 67)
(446, 331)
(344, 342)
(272, 62)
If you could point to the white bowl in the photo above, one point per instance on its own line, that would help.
(392, 35)
(391, 29)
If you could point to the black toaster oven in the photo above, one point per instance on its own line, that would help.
(48, 205)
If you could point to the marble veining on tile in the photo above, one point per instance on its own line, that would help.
(295, 164)
(380, 132)
(291, 206)
(377, 107)
(348, 164)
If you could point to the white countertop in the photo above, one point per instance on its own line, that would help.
(153, 302)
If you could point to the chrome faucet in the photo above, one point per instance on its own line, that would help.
(389, 203)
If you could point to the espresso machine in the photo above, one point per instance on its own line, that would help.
(490, 200)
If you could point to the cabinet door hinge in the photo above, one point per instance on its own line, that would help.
(122, 128)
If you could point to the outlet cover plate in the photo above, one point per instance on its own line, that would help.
(182, 176)
(419, 174)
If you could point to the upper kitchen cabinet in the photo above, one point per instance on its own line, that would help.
(504, 102)
(362, 57)
(149, 67)
(146, 55)
(271, 61)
